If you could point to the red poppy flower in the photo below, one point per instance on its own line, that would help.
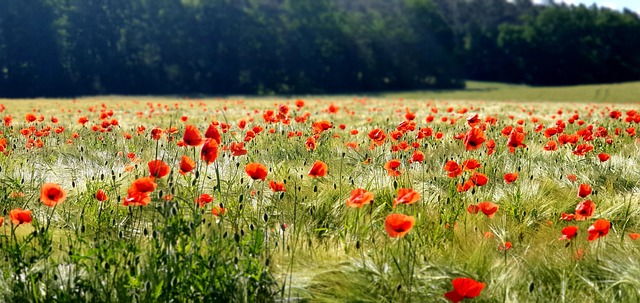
(218, 211)
(276, 186)
(474, 139)
(359, 197)
(453, 168)
(209, 151)
(137, 199)
(600, 228)
(19, 216)
(158, 169)
(417, 156)
(466, 186)
(505, 246)
(392, 167)
(310, 144)
(572, 177)
(464, 288)
(156, 132)
(567, 217)
(516, 139)
(237, 149)
(256, 171)
(52, 194)
(510, 177)
(584, 190)
(398, 225)
(319, 169)
(213, 133)
(471, 164)
(473, 209)
(203, 200)
(142, 185)
(603, 157)
(585, 209)
(101, 195)
(192, 136)
(491, 147)
(569, 232)
(320, 126)
(582, 149)
(488, 208)
(406, 196)
(634, 236)
(479, 179)
(377, 136)
(474, 120)
(186, 165)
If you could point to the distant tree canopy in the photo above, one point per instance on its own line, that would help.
(87, 47)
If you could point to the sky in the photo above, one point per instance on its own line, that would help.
(614, 4)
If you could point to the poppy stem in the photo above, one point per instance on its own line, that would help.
(411, 265)
(295, 238)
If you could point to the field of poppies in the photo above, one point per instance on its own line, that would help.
(339, 199)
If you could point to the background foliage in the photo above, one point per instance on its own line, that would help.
(86, 47)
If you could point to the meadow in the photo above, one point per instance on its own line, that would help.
(400, 197)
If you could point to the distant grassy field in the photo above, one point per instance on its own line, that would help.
(615, 93)
(323, 199)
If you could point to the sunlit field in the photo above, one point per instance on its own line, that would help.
(339, 199)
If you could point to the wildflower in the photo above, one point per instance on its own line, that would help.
(488, 208)
(158, 169)
(406, 196)
(377, 136)
(319, 169)
(209, 151)
(584, 190)
(101, 195)
(474, 139)
(603, 157)
(186, 165)
(464, 288)
(453, 168)
(218, 210)
(505, 246)
(204, 199)
(584, 210)
(192, 136)
(359, 197)
(276, 186)
(510, 177)
(19, 216)
(52, 194)
(600, 228)
(569, 232)
(256, 171)
(237, 149)
(398, 225)
(479, 179)
(392, 167)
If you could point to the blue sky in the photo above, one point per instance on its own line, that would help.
(615, 4)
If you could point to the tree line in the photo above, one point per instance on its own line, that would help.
(88, 47)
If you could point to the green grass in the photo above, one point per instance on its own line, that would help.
(600, 93)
